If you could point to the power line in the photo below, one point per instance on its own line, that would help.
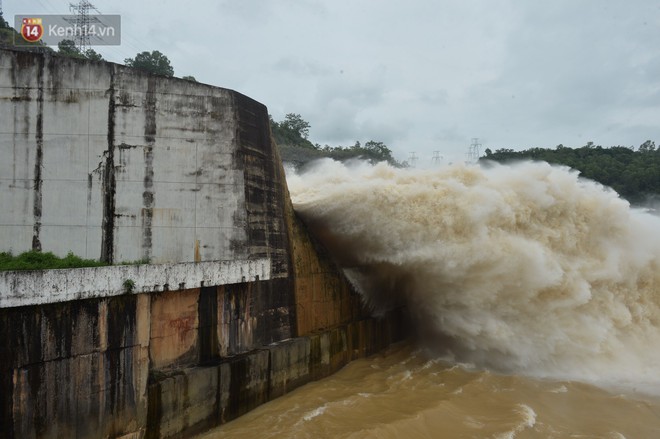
(83, 21)
(437, 158)
(48, 7)
(412, 159)
(127, 41)
(474, 151)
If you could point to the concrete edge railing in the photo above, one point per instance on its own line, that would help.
(37, 287)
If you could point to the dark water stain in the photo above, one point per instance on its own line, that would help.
(122, 330)
(109, 184)
(208, 324)
(38, 163)
(154, 410)
(148, 195)
(248, 383)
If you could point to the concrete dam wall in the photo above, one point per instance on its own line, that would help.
(107, 162)
(239, 304)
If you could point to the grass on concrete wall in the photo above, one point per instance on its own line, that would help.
(35, 260)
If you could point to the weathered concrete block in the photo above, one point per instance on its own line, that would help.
(120, 323)
(72, 365)
(254, 314)
(323, 296)
(380, 332)
(25, 288)
(88, 396)
(70, 329)
(319, 355)
(49, 332)
(329, 352)
(244, 384)
(183, 403)
(143, 320)
(356, 333)
(208, 325)
(174, 335)
(289, 365)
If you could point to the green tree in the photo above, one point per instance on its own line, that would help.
(6, 33)
(291, 137)
(378, 147)
(189, 78)
(288, 132)
(68, 48)
(93, 55)
(296, 124)
(648, 146)
(154, 62)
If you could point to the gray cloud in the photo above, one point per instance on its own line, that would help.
(424, 75)
(301, 67)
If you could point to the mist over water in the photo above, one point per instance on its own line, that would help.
(522, 269)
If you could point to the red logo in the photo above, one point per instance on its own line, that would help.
(32, 30)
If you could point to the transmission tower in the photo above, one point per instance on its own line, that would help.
(437, 158)
(474, 151)
(412, 159)
(82, 22)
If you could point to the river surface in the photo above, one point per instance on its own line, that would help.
(404, 394)
(534, 294)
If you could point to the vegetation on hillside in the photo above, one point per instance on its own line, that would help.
(635, 175)
(291, 136)
(65, 47)
(8, 34)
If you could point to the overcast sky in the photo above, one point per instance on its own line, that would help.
(420, 75)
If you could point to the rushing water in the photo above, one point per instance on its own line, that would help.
(404, 394)
(535, 295)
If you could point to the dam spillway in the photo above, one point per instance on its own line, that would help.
(239, 303)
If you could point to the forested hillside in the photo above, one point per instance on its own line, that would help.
(634, 174)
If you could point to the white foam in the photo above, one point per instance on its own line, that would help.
(560, 389)
(314, 413)
(528, 421)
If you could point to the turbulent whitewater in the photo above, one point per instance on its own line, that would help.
(524, 269)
